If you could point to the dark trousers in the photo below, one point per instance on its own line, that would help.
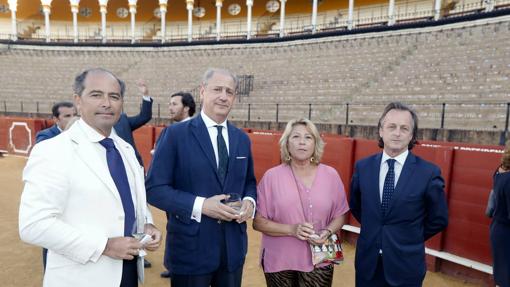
(219, 278)
(129, 274)
(379, 280)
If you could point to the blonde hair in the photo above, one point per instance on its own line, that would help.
(505, 160)
(284, 140)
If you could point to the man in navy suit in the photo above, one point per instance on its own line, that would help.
(195, 165)
(126, 125)
(399, 200)
(62, 113)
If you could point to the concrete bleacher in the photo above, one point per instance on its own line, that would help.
(463, 65)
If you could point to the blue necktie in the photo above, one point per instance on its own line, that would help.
(222, 155)
(119, 176)
(389, 185)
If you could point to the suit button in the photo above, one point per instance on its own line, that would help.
(177, 216)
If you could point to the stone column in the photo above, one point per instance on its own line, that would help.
(102, 10)
(350, 19)
(14, 27)
(75, 10)
(249, 5)
(314, 16)
(162, 11)
(391, 13)
(132, 11)
(218, 19)
(189, 7)
(282, 18)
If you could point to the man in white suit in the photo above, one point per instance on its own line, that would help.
(84, 195)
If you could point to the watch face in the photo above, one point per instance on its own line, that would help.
(122, 12)
(85, 11)
(234, 9)
(272, 6)
(199, 12)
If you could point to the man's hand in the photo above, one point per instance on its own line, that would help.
(122, 248)
(156, 237)
(142, 87)
(246, 211)
(214, 208)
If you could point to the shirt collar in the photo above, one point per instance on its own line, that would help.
(91, 134)
(209, 123)
(186, 119)
(401, 158)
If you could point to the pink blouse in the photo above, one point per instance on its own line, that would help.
(278, 200)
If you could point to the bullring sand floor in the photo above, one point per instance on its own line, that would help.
(22, 267)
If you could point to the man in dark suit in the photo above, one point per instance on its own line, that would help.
(181, 108)
(126, 125)
(399, 200)
(62, 113)
(195, 165)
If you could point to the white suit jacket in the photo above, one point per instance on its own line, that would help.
(70, 205)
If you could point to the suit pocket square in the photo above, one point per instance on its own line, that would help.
(240, 157)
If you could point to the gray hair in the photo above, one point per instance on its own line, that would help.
(79, 86)
(211, 71)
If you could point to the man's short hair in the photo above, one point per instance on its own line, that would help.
(55, 109)
(187, 101)
(211, 71)
(401, 107)
(78, 85)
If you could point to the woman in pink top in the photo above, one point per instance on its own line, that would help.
(299, 202)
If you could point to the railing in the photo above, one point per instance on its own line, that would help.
(375, 15)
(462, 116)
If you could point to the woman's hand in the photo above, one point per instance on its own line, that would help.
(303, 231)
(321, 239)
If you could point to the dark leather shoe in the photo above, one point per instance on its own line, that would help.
(165, 274)
(146, 263)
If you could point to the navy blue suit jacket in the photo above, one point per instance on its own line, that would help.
(126, 125)
(416, 212)
(47, 133)
(184, 167)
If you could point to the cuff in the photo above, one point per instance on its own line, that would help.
(197, 209)
(97, 254)
(254, 205)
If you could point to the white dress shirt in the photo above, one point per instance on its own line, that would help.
(94, 136)
(213, 133)
(399, 163)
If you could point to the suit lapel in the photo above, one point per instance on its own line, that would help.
(233, 143)
(406, 174)
(375, 196)
(199, 131)
(88, 155)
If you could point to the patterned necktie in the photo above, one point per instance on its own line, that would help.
(222, 155)
(389, 185)
(119, 176)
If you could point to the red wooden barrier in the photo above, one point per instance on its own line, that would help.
(18, 134)
(442, 157)
(338, 153)
(468, 230)
(144, 140)
(265, 150)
